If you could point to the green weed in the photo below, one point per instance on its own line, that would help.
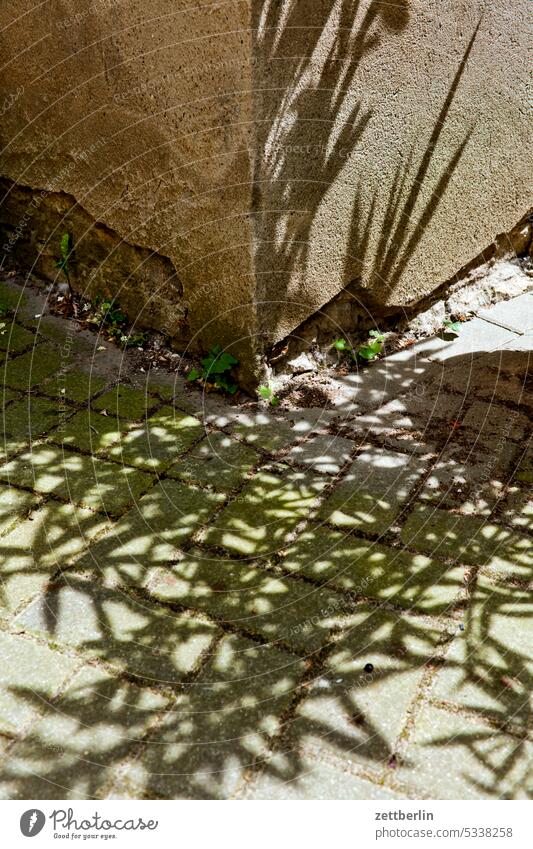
(268, 395)
(216, 370)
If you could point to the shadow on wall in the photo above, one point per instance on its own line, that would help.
(307, 132)
(209, 659)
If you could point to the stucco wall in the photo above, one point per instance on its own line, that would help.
(274, 152)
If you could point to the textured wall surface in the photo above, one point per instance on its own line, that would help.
(273, 152)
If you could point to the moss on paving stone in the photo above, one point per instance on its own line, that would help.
(148, 535)
(27, 671)
(14, 503)
(373, 492)
(452, 756)
(41, 545)
(487, 668)
(88, 431)
(157, 444)
(8, 395)
(14, 338)
(86, 481)
(376, 571)
(218, 461)
(265, 511)
(30, 369)
(221, 725)
(471, 540)
(144, 640)
(251, 599)
(11, 297)
(126, 403)
(76, 386)
(77, 747)
(26, 420)
(357, 710)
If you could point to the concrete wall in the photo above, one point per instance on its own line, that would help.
(272, 152)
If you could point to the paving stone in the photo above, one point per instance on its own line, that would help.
(76, 386)
(455, 757)
(520, 362)
(251, 599)
(376, 571)
(324, 454)
(369, 387)
(293, 775)
(415, 423)
(218, 461)
(515, 315)
(471, 540)
(30, 674)
(265, 512)
(78, 746)
(489, 419)
(26, 420)
(149, 534)
(222, 724)
(371, 495)
(41, 545)
(13, 337)
(489, 666)
(158, 443)
(14, 503)
(355, 711)
(124, 402)
(87, 431)
(264, 431)
(147, 642)
(468, 479)
(92, 483)
(31, 369)
(474, 339)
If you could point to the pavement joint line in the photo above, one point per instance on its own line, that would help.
(524, 732)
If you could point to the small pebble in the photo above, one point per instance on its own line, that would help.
(369, 667)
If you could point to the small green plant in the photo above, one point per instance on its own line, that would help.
(373, 349)
(341, 345)
(65, 249)
(216, 370)
(452, 326)
(267, 393)
(109, 316)
(366, 352)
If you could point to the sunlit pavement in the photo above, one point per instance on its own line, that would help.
(201, 601)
